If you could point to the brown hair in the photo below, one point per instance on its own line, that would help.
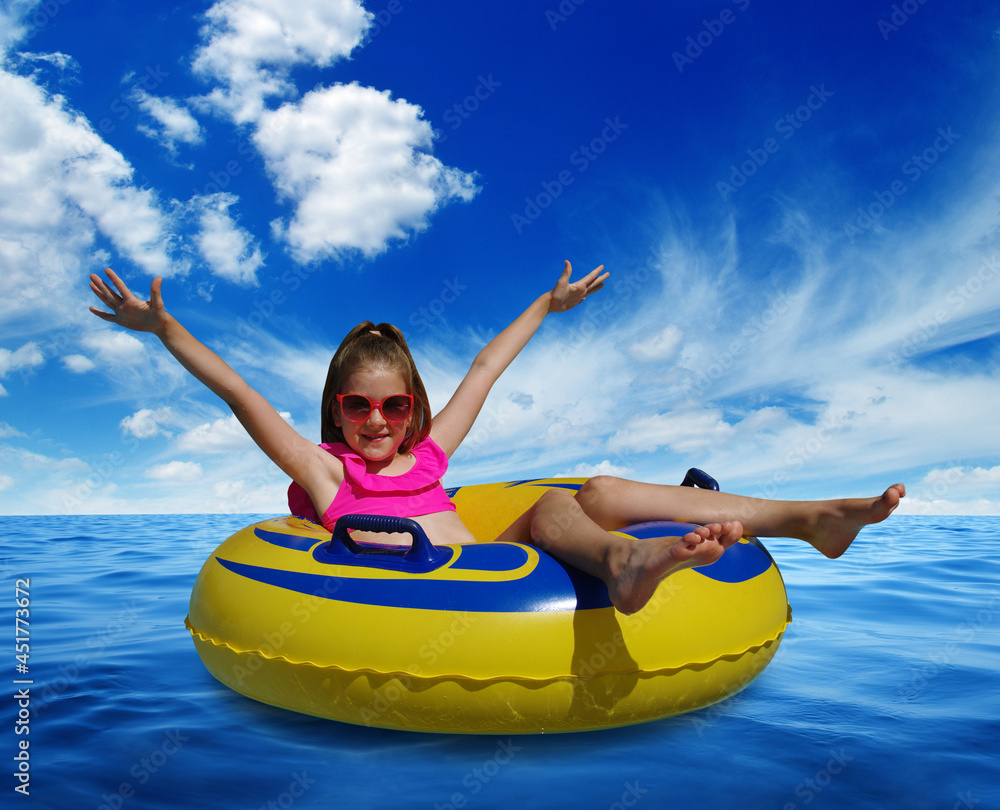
(363, 348)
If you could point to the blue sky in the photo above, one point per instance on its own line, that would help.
(798, 207)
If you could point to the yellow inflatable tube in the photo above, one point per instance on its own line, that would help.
(484, 638)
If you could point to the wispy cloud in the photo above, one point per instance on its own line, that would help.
(230, 250)
(830, 376)
(174, 123)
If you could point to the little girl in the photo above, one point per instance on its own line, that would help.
(384, 454)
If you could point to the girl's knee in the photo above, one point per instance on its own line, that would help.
(597, 490)
(552, 512)
(599, 498)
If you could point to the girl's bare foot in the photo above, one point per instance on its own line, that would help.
(834, 529)
(642, 564)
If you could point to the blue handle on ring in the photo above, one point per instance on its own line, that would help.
(422, 555)
(699, 478)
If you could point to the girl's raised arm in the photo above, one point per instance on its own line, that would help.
(455, 420)
(298, 457)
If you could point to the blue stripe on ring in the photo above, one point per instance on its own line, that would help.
(296, 542)
(551, 586)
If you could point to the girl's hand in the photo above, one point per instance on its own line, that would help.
(126, 309)
(565, 296)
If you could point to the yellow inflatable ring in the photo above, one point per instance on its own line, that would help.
(483, 638)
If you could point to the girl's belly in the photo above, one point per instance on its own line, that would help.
(441, 528)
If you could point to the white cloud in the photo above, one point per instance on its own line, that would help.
(576, 386)
(584, 470)
(920, 506)
(293, 368)
(64, 466)
(46, 485)
(78, 364)
(115, 348)
(61, 185)
(27, 357)
(146, 423)
(8, 432)
(6, 482)
(969, 476)
(13, 23)
(661, 345)
(956, 489)
(682, 432)
(175, 123)
(57, 59)
(787, 390)
(355, 164)
(180, 471)
(266, 491)
(250, 46)
(224, 435)
(229, 249)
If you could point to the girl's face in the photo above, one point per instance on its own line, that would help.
(375, 439)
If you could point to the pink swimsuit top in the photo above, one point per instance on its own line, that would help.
(417, 492)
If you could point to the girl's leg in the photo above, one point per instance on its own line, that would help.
(829, 526)
(631, 569)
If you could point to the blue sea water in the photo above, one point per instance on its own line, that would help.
(884, 693)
